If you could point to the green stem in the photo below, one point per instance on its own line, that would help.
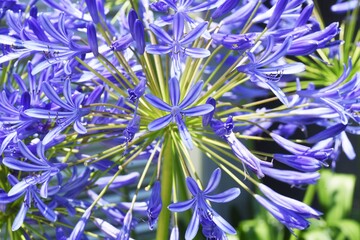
(166, 190)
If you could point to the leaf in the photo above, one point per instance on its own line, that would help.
(336, 194)
(256, 229)
(348, 229)
(320, 234)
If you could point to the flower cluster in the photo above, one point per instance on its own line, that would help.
(102, 102)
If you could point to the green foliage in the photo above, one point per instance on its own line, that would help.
(335, 193)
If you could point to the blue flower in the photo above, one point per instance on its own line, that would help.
(224, 130)
(39, 164)
(202, 210)
(178, 109)
(184, 8)
(270, 75)
(154, 205)
(78, 230)
(72, 113)
(31, 194)
(125, 231)
(178, 45)
(288, 211)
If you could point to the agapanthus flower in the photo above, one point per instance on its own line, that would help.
(202, 210)
(178, 109)
(31, 195)
(183, 8)
(154, 205)
(72, 110)
(39, 164)
(270, 75)
(177, 45)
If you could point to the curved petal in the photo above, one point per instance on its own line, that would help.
(192, 95)
(20, 187)
(28, 154)
(197, 52)
(198, 110)
(161, 34)
(158, 49)
(194, 34)
(79, 128)
(223, 224)
(23, 166)
(159, 123)
(192, 186)
(19, 219)
(53, 96)
(193, 226)
(225, 196)
(67, 92)
(184, 132)
(213, 181)
(181, 206)
(158, 103)
(45, 210)
(174, 90)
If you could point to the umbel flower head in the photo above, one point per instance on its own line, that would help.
(102, 102)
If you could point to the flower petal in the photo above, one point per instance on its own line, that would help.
(174, 90)
(160, 123)
(181, 206)
(184, 132)
(178, 27)
(19, 219)
(158, 103)
(192, 186)
(225, 196)
(192, 95)
(213, 181)
(197, 52)
(23, 166)
(194, 34)
(193, 226)
(161, 34)
(198, 110)
(223, 224)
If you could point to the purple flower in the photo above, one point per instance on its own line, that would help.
(154, 205)
(225, 8)
(224, 130)
(72, 113)
(202, 211)
(293, 178)
(178, 109)
(132, 128)
(78, 230)
(124, 233)
(39, 164)
(31, 194)
(269, 75)
(184, 8)
(136, 93)
(92, 38)
(177, 46)
(136, 28)
(288, 211)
